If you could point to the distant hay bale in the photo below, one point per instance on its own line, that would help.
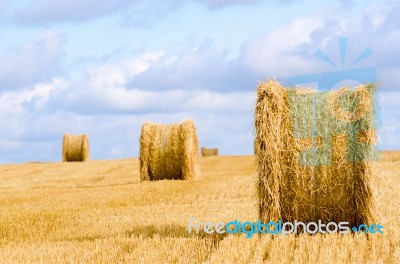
(169, 151)
(207, 152)
(75, 147)
(312, 151)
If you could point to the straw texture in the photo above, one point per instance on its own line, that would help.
(169, 151)
(313, 153)
(75, 147)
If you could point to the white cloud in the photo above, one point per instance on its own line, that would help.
(13, 102)
(45, 12)
(172, 84)
(35, 61)
(376, 13)
(118, 75)
(119, 100)
(275, 53)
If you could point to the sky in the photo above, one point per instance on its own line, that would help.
(105, 67)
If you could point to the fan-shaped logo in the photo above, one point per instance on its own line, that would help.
(327, 80)
(350, 112)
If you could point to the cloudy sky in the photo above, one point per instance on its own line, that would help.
(104, 67)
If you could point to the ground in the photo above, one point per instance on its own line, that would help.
(100, 212)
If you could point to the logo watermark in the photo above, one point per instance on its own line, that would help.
(279, 228)
(327, 80)
(350, 112)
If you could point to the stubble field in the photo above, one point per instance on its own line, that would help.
(100, 212)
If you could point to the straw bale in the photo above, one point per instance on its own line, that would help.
(207, 152)
(169, 151)
(313, 154)
(75, 147)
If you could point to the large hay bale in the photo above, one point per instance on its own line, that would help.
(207, 152)
(75, 147)
(312, 154)
(169, 151)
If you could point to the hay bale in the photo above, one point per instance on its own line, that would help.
(207, 152)
(75, 147)
(312, 151)
(169, 151)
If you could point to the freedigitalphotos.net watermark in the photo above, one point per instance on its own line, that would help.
(279, 228)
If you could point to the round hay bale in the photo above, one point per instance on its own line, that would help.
(291, 189)
(75, 147)
(169, 151)
(207, 152)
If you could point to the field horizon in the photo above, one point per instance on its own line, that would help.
(100, 212)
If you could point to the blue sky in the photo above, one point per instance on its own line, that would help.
(104, 67)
